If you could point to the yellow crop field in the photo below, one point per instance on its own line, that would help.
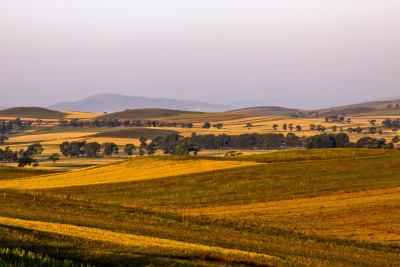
(79, 115)
(141, 242)
(334, 215)
(130, 170)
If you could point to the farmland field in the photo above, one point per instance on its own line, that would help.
(326, 207)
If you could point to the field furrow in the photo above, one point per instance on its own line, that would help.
(144, 243)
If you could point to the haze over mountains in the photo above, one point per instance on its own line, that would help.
(113, 102)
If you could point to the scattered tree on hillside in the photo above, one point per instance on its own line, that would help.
(22, 162)
(129, 148)
(284, 127)
(233, 153)
(275, 126)
(2, 139)
(151, 148)
(34, 149)
(206, 125)
(372, 130)
(54, 157)
(92, 149)
(110, 148)
(143, 145)
(218, 125)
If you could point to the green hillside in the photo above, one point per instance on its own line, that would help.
(32, 112)
(327, 207)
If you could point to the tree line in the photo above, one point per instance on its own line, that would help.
(23, 157)
(342, 140)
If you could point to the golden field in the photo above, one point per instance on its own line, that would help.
(131, 170)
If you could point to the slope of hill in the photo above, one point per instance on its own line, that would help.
(265, 111)
(32, 112)
(328, 207)
(374, 108)
(113, 102)
(363, 108)
(171, 115)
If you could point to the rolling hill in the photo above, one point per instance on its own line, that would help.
(367, 108)
(374, 108)
(265, 111)
(327, 207)
(171, 115)
(112, 102)
(32, 112)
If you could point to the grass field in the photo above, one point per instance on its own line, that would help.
(135, 133)
(332, 207)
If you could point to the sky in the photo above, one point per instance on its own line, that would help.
(292, 53)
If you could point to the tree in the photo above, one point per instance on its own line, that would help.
(129, 148)
(2, 139)
(298, 128)
(110, 148)
(275, 126)
(151, 148)
(218, 125)
(291, 126)
(206, 125)
(313, 127)
(248, 125)
(396, 139)
(34, 150)
(143, 145)
(92, 149)
(372, 130)
(334, 128)
(284, 127)
(39, 121)
(64, 148)
(23, 161)
(54, 157)
(233, 153)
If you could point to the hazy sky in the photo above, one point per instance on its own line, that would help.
(310, 53)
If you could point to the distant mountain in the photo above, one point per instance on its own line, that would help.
(1, 108)
(265, 111)
(112, 102)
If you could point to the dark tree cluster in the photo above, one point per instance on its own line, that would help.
(389, 123)
(335, 118)
(23, 157)
(176, 144)
(342, 140)
(6, 127)
(302, 114)
(89, 150)
(117, 123)
(328, 141)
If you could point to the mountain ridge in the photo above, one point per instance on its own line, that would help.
(114, 102)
